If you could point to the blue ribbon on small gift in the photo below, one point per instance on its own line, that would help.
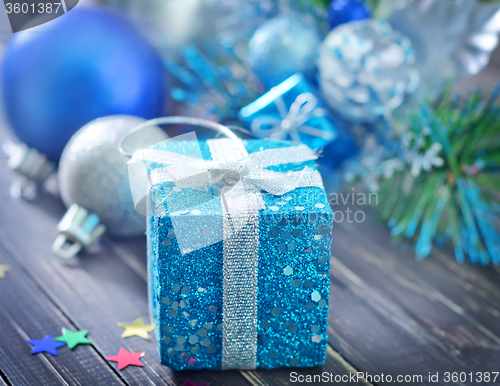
(290, 111)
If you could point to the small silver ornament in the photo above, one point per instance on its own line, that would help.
(366, 70)
(94, 175)
(32, 167)
(77, 229)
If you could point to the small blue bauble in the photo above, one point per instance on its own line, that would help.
(91, 63)
(344, 11)
(280, 48)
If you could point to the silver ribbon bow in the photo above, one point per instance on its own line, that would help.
(239, 180)
(292, 121)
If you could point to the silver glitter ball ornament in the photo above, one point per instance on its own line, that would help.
(366, 70)
(94, 175)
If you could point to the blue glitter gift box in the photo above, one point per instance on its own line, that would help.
(257, 300)
(291, 110)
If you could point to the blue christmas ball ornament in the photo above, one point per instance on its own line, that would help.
(91, 63)
(281, 47)
(344, 11)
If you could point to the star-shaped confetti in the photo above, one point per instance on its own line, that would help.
(125, 358)
(189, 382)
(3, 269)
(73, 338)
(47, 344)
(138, 328)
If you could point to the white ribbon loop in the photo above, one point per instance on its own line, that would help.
(193, 172)
(207, 179)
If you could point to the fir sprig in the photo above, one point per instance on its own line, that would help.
(447, 181)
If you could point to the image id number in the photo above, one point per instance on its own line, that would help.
(471, 377)
(32, 8)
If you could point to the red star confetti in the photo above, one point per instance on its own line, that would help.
(189, 382)
(125, 358)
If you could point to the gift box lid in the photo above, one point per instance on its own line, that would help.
(189, 207)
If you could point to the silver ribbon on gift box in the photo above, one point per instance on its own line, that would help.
(236, 180)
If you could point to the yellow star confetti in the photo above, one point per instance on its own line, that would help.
(138, 328)
(3, 269)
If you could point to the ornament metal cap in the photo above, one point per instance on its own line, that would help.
(78, 229)
(32, 167)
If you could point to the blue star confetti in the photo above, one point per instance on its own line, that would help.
(47, 344)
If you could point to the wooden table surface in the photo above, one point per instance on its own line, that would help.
(389, 314)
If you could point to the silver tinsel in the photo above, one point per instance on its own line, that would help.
(366, 70)
(94, 175)
(452, 39)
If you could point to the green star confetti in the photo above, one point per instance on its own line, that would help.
(73, 338)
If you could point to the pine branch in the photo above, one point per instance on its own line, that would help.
(448, 182)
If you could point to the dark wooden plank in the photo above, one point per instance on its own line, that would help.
(387, 315)
(470, 291)
(2, 377)
(26, 313)
(95, 291)
(479, 288)
(495, 57)
(23, 368)
(486, 80)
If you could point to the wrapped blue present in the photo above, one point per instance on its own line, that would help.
(290, 111)
(239, 237)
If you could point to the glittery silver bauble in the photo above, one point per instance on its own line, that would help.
(366, 69)
(281, 47)
(94, 175)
